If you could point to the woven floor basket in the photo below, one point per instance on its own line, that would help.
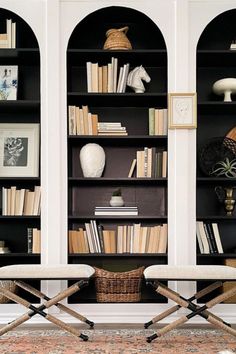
(118, 286)
(8, 285)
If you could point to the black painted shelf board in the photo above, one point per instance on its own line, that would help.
(115, 94)
(26, 56)
(216, 103)
(217, 255)
(19, 254)
(20, 179)
(118, 255)
(102, 180)
(20, 103)
(115, 137)
(118, 217)
(216, 107)
(19, 217)
(131, 51)
(217, 217)
(216, 180)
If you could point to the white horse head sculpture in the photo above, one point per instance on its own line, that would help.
(135, 78)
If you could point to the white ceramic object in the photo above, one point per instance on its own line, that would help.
(92, 160)
(225, 86)
(116, 201)
(135, 78)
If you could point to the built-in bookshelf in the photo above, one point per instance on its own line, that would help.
(131, 110)
(15, 224)
(216, 118)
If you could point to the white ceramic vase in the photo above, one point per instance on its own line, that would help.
(225, 86)
(116, 201)
(92, 160)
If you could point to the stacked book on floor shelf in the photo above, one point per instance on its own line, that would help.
(208, 238)
(33, 240)
(21, 201)
(149, 162)
(107, 78)
(126, 239)
(82, 122)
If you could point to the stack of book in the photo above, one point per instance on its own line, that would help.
(81, 121)
(8, 39)
(110, 128)
(116, 210)
(158, 121)
(126, 239)
(21, 201)
(105, 79)
(3, 248)
(149, 163)
(208, 238)
(34, 240)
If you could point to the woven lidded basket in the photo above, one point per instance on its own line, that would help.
(116, 39)
(8, 285)
(118, 286)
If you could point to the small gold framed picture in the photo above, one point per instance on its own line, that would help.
(182, 110)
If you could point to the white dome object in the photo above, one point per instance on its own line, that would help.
(225, 86)
(92, 160)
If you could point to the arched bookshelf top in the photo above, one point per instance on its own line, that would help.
(219, 33)
(25, 37)
(90, 33)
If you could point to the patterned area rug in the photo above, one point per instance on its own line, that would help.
(116, 342)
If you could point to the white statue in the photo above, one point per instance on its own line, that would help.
(92, 160)
(135, 78)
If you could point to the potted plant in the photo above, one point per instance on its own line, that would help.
(116, 199)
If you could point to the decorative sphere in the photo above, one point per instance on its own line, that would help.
(92, 160)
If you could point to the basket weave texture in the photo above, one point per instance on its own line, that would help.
(116, 39)
(9, 285)
(118, 286)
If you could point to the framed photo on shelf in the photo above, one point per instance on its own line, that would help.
(8, 82)
(182, 110)
(19, 150)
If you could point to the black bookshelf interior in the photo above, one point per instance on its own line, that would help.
(216, 118)
(131, 109)
(25, 109)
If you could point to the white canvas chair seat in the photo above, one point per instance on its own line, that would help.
(156, 273)
(80, 273)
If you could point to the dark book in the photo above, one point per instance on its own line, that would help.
(208, 238)
(100, 236)
(212, 238)
(30, 240)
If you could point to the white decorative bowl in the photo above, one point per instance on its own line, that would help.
(92, 160)
(226, 87)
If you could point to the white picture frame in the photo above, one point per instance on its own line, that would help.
(19, 150)
(8, 82)
(182, 110)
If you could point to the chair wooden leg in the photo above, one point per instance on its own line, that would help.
(62, 307)
(40, 310)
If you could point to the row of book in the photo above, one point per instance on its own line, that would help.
(21, 201)
(8, 39)
(124, 210)
(208, 238)
(150, 163)
(125, 239)
(33, 240)
(111, 128)
(105, 79)
(158, 121)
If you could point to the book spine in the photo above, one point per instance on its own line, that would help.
(151, 116)
(30, 240)
(208, 238)
(212, 238)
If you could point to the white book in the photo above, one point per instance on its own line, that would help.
(89, 237)
(199, 238)
(115, 68)
(13, 35)
(22, 201)
(131, 171)
(206, 249)
(13, 200)
(9, 29)
(120, 79)
(110, 79)
(4, 201)
(37, 199)
(165, 122)
(144, 231)
(125, 76)
(90, 124)
(89, 76)
(95, 77)
(97, 241)
(217, 237)
(162, 247)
